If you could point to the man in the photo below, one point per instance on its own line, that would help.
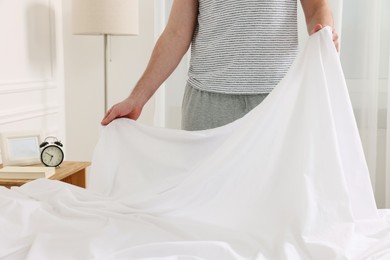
(240, 51)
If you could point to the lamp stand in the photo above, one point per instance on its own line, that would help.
(105, 72)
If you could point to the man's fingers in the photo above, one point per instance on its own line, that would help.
(108, 119)
(316, 28)
(110, 115)
(335, 36)
(336, 44)
(107, 113)
(336, 40)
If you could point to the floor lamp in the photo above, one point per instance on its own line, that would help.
(105, 17)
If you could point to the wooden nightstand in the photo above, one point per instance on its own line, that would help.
(69, 172)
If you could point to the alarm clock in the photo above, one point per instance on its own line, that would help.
(51, 153)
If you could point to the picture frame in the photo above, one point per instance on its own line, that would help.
(21, 148)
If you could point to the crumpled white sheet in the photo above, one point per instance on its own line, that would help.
(287, 181)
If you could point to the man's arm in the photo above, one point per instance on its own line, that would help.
(318, 14)
(167, 53)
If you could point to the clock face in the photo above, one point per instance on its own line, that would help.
(52, 156)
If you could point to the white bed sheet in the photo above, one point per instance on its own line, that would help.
(287, 181)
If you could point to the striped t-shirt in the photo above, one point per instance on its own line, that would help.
(243, 46)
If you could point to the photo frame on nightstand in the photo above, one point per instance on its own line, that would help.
(20, 148)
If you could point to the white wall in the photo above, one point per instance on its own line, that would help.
(84, 78)
(31, 72)
(365, 60)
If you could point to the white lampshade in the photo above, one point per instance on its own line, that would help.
(114, 17)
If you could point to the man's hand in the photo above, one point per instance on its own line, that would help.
(335, 35)
(127, 108)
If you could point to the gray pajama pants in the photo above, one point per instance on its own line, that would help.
(204, 110)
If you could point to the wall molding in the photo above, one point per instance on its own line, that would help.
(28, 113)
(17, 86)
